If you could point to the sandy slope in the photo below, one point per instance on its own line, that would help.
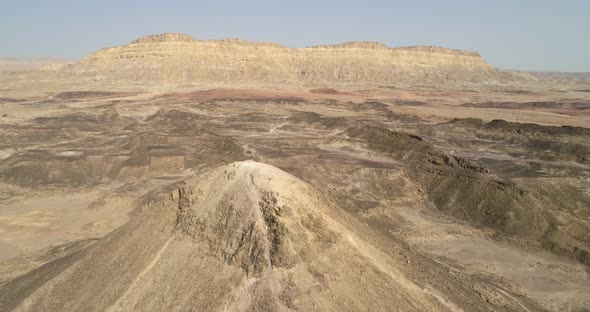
(243, 237)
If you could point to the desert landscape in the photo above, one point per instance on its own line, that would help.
(176, 174)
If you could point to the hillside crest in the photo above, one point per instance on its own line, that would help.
(176, 57)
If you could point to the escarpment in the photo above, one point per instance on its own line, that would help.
(180, 58)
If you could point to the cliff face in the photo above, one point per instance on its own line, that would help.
(179, 58)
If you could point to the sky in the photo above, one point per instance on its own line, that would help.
(536, 35)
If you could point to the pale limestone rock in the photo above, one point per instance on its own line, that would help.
(175, 57)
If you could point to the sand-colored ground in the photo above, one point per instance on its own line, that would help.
(341, 210)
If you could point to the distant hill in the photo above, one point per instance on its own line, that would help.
(177, 57)
(562, 76)
(13, 64)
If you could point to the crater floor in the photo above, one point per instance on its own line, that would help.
(145, 197)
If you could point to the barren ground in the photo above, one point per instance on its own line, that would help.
(399, 198)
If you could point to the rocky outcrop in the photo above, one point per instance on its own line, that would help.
(464, 190)
(180, 58)
(244, 237)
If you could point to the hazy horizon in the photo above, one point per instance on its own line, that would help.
(528, 35)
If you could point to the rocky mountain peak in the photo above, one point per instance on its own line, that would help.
(165, 37)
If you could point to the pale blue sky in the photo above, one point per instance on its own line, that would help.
(516, 34)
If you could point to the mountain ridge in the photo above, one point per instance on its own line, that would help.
(176, 57)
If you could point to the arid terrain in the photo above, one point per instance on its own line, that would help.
(301, 184)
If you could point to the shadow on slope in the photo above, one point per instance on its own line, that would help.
(472, 193)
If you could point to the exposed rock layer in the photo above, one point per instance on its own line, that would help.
(178, 57)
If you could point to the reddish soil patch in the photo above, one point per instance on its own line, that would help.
(77, 95)
(236, 95)
(329, 91)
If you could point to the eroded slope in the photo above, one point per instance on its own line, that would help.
(244, 237)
